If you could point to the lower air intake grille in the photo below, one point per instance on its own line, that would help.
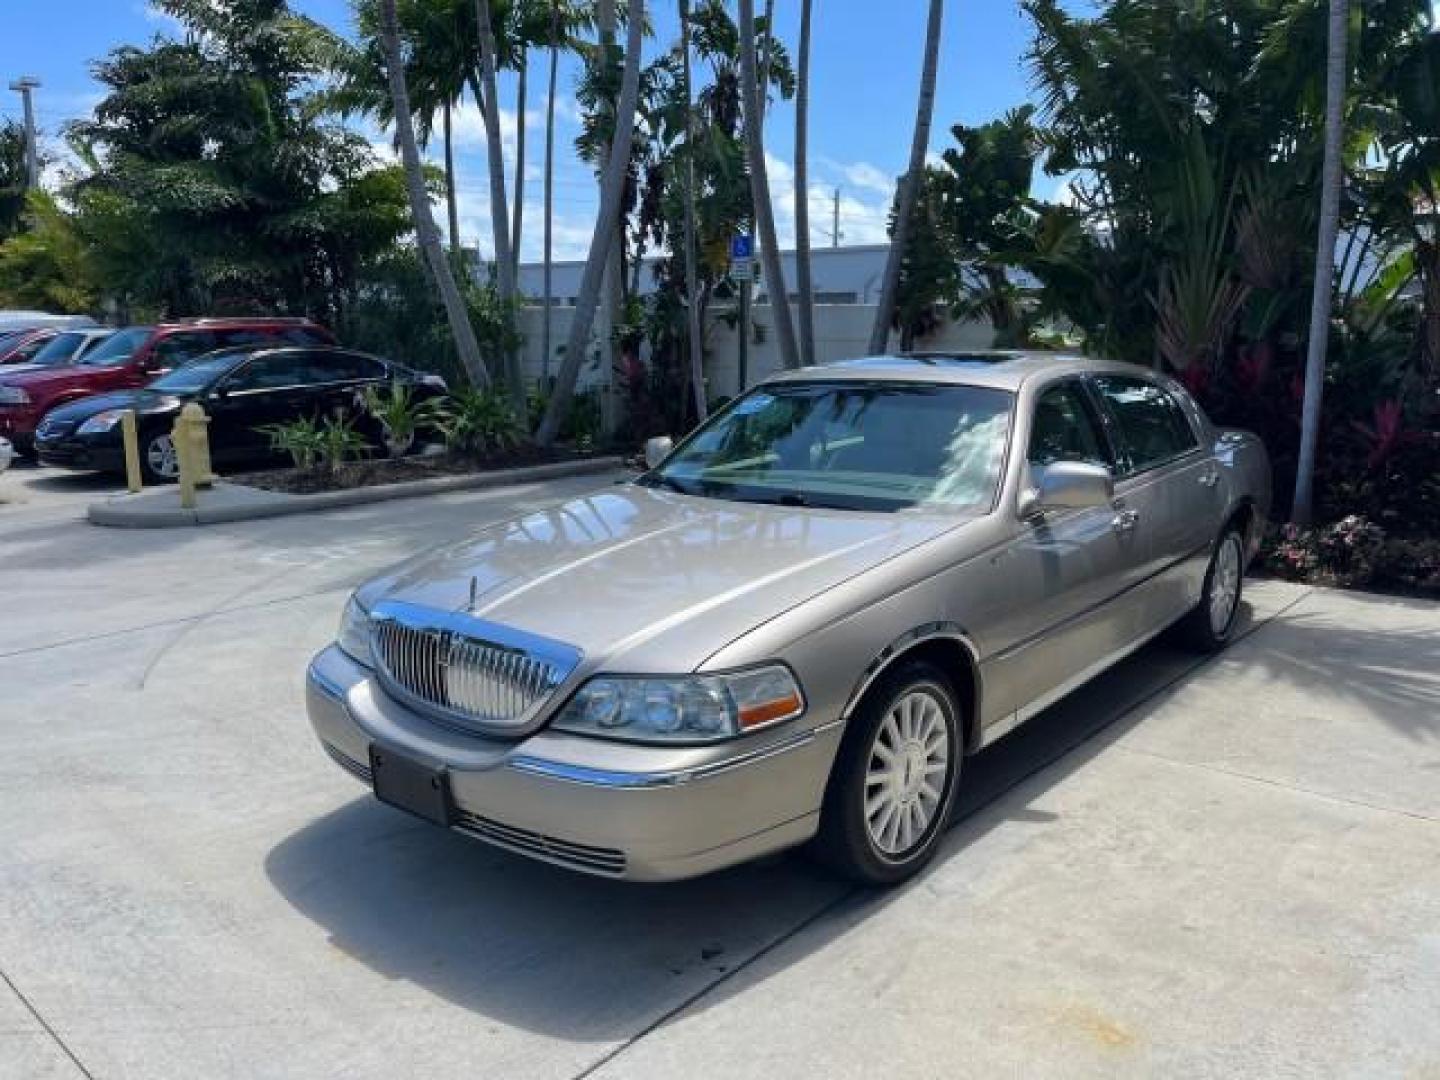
(582, 856)
(349, 764)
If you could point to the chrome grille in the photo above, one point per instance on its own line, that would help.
(475, 672)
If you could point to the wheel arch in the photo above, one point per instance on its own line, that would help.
(948, 647)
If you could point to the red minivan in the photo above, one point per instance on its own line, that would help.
(131, 358)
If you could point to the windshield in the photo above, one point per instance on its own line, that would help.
(857, 446)
(117, 349)
(195, 376)
(59, 350)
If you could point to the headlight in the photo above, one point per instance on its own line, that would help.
(101, 422)
(689, 709)
(13, 395)
(354, 636)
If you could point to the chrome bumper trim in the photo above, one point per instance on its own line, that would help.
(326, 685)
(608, 778)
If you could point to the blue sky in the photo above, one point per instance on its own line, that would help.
(865, 77)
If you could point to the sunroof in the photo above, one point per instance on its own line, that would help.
(959, 359)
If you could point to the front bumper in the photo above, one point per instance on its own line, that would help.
(17, 423)
(642, 813)
(80, 452)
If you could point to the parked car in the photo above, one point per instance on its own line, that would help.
(799, 623)
(21, 346)
(64, 347)
(132, 357)
(242, 389)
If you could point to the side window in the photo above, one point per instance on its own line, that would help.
(275, 371)
(345, 367)
(27, 351)
(300, 335)
(1150, 420)
(243, 337)
(1064, 429)
(172, 350)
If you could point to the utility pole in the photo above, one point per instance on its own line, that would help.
(24, 86)
(835, 228)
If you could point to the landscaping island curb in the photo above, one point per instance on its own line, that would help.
(159, 508)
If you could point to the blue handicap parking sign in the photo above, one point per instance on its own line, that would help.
(742, 247)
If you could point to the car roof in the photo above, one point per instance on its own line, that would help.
(993, 368)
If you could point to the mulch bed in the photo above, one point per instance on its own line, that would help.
(398, 470)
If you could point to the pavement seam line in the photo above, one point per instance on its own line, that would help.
(810, 920)
(1280, 784)
(55, 1035)
(853, 891)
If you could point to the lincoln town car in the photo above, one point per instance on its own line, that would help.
(795, 626)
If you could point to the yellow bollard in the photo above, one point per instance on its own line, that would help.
(192, 449)
(131, 442)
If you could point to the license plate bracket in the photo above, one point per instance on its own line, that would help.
(409, 784)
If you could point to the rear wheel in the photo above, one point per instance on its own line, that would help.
(895, 779)
(1211, 625)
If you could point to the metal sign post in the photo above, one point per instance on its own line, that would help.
(742, 271)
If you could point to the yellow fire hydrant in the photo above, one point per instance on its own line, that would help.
(192, 450)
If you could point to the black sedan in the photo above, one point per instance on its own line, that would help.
(241, 389)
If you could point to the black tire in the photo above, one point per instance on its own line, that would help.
(1206, 629)
(846, 841)
(152, 458)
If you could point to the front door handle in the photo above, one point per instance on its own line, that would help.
(1210, 479)
(1125, 520)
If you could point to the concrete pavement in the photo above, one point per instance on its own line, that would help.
(1217, 869)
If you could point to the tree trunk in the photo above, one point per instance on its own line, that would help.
(694, 343)
(1302, 510)
(545, 341)
(452, 202)
(499, 216)
(521, 94)
(910, 182)
(426, 232)
(612, 190)
(803, 280)
(760, 189)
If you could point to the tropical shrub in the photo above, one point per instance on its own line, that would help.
(399, 415)
(302, 440)
(478, 422)
(340, 442)
(1354, 552)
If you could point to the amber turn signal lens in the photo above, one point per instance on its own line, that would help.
(766, 711)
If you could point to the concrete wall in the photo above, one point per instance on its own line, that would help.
(842, 331)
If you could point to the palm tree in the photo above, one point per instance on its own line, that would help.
(612, 190)
(1302, 509)
(750, 100)
(692, 268)
(499, 216)
(426, 232)
(910, 182)
(554, 42)
(802, 191)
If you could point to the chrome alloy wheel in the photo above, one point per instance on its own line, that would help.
(905, 777)
(160, 455)
(1225, 585)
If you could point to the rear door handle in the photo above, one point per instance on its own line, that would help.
(1125, 520)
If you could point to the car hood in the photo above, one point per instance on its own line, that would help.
(643, 580)
(144, 402)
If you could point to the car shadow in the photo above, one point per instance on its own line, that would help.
(588, 959)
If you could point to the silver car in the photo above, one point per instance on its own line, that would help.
(797, 625)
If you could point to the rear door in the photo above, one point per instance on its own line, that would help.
(171, 350)
(1168, 480)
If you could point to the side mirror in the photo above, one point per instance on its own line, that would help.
(657, 450)
(1068, 485)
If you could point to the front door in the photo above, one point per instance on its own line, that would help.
(273, 388)
(1057, 606)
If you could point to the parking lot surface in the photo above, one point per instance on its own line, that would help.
(1217, 868)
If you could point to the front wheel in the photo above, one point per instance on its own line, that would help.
(1211, 625)
(158, 458)
(895, 779)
